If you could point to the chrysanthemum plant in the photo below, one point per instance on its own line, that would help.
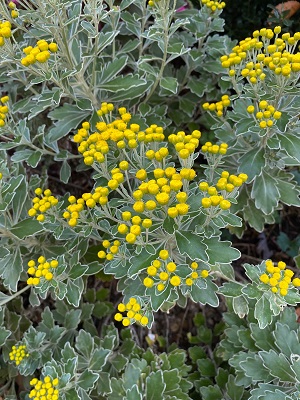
(108, 87)
(261, 125)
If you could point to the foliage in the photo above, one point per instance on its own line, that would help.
(118, 92)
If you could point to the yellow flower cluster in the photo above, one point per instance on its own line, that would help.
(252, 57)
(163, 190)
(226, 184)
(3, 110)
(112, 249)
(133, 313)
(214, 5)
(113, 135)
(266, 114)
(219, 106)
(42, 270)
(43, 202)
(45, 389)
(208, 147)
(196, 274)
(18, 353)
(133, 225)
(40, 53)
(185, 145)
(278, 278)
(14, 13)
(89, 199)
(5, 31)
(161, 272)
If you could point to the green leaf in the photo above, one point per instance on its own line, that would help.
(231, 289)
(290, 144)
(133, 393)
(253, 216)
(67, 118)
(103, 384)
(289, 193)
(89, 28)
(4, 334)
(131, 93)
(265, 192)
(205, 295)
(191, 244)
(169, 84)
(71, 394)
(211, 393)
(87, 379)
(118, 361)
(155, 386)
(122, 82)
(131, 376)
(278, 365)
(85, 344)
(65, 172)
(254, 368)
(252, 162)
(98, 359)
(197, 86)
(77, 270)
(286, 340)
(206, 367)
(240, 306)
(263, 313)
(27, 227)
(111, 69)
(73, 294)
(105, 39)
(34, 159)
(21, 155)
(10, 269)
(220, 251)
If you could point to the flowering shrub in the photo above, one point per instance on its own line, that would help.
(261, 128)
(124, 95)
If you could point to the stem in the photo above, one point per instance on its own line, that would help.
(2, 302)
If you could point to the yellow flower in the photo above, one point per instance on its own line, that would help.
(175, 280)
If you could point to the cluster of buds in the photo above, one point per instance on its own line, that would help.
(3, 110)
(42, 203)
(132, 226)
(18, 353)
(161, 272)
(40, 53)
(111, 249)
(5, 31)
(213, 5)
(278, 278)
(208, 147)
(226, 184)
(185, 145)
(40, 271)
(112, 134)
(133, 312)
(44, 389)
(14, 12)
(219, 106)
(266, 114)
(196, 274)
(163, 190)
(253, 57)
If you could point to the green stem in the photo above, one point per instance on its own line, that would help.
(7, 300)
